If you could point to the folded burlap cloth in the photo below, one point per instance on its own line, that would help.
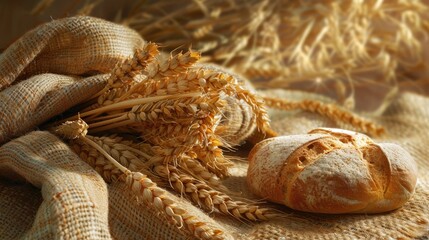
(47, 192)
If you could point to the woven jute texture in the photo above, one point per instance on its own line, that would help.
(47, 192)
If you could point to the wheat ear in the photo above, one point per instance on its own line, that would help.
(122, 76)
(330, 111)
(195, 169)
(205, 196)
(148, 192)
(125, 71)
(186, 163)
(155, 70)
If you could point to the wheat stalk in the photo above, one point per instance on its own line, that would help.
(170, 68)
(149, 193)
(124, 72)
(205, 196)
(331, 111)
(123, 75)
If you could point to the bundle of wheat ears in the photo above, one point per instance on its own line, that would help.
(163, 121)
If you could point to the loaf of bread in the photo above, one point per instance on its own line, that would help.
(332, 171)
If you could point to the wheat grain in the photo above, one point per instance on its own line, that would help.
(100, 164)
(173, 65)
(136, 157)
(169, 128)
(195, 169)
(125, 72)
(167, 85)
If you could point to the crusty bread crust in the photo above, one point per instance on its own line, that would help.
(332, 171)
(266, 161)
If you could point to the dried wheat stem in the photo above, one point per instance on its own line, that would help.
(205, 196)
(331, 111)
(333, 42)
(108, 121)
(103, 118)
(77, 130)
(110, 126)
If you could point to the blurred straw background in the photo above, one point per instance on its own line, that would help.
(348, 50)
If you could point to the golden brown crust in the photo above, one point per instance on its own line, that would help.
(332, 184)
(402, 179)
(332, 171)
(267, 159)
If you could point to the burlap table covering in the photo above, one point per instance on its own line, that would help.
(47, 192)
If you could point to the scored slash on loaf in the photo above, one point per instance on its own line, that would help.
(332, 171)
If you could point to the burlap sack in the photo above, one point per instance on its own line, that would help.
(47, 192)
(73, 46)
